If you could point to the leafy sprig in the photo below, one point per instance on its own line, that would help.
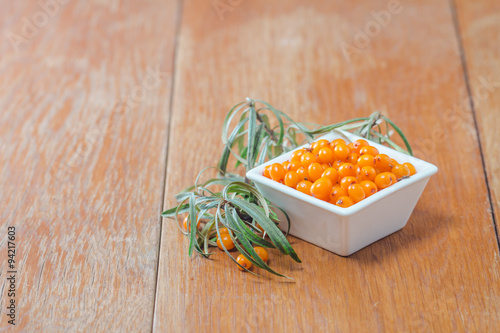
(231, 201)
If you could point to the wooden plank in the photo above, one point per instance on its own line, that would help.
(479, 25)
(83, 130)
(440, 273)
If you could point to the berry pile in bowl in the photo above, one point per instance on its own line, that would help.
(343, 192)
(338, 172)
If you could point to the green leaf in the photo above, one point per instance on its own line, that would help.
(276, 236)
(400, 132)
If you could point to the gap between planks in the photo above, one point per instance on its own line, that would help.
(463, 59)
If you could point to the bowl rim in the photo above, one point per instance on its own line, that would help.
(424, 170)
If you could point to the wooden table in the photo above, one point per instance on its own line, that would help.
(108, 108)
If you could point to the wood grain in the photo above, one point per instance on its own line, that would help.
(83, 137)
(440, 273)
(479, 25)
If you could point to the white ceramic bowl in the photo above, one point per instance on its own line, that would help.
(347, 230)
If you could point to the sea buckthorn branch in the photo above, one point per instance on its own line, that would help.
(239, 209)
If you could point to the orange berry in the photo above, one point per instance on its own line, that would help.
(356, 192)
(315, 170)
(226, 240)
(400, 171)
(393, 163)
(368, 150)
(277, 172)
(266, 173)
(336, 142)
(332, 174)
(366, 160)
(285, 165)
(294, 166)
(367, 173)
(369, 187)
(353, 158)
(262, 253)
(304, 187)
(326, 155)
(336, 193)
(344, 202)
(291, 179)
(321, 188)
(384, 180)
(325, 166)
(297, 155)
(187, 224)
(341, 152)
(383, 162)
(302, 173)
(346, 181)
(360, 143)
(318, 145)
(347, 169)
(223, 231)
(411, 168)
(337, 164)
(307, 159)
(243, 262)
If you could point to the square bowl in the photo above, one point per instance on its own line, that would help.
(346, 230)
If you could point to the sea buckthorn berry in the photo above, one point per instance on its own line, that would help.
(332, 174)
(356, 146)
(336, 193)
(307, 159)
(305, 187)
(325, 166)
(346, 181)
(393, 163)
(344, 202)
(326, 155)
(366, 160)
(367, 173)
(383, 162)
(353, 158)
(341, 152)
(319, 145)
(285, 165)
(302, 173)
(297, 155)
(277, 172)
(347, 169)
(243, 262)
(266, 173)
(336, 142)
(226, 240)
(358, 169)
(262, 253)
(315, 170)
(223, 231)
(294, 166)
(187, 224)
(411, 168)
(356, 192)
(321, 188)
(337, 164)
(368, 150)
(369, 187)
(291, 179)
(384, 180)
(361, 143)
(400, 171)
